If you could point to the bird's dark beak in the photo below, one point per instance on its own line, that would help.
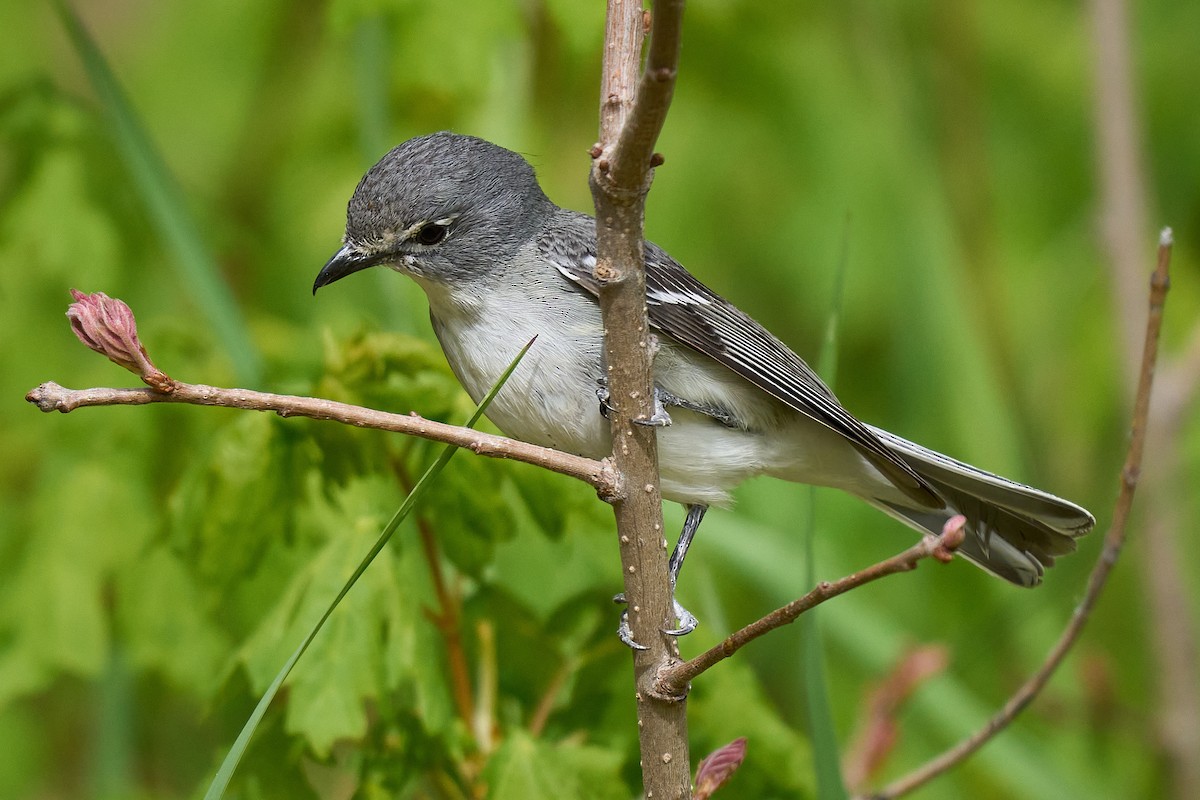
(343, 263)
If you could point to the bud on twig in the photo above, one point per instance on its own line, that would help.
(718, 767)
(106, 325)
(953, 533)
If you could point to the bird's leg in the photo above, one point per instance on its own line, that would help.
(687, 620)
(695, 513)
(664, 400)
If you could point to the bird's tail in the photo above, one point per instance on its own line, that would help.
(1013, 531)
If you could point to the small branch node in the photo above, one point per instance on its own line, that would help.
(1131, 475)
(610, 482)
(47, 397)
(664, 688)
(953, 534)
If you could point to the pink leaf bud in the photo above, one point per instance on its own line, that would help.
(107, 326)
(718, 767)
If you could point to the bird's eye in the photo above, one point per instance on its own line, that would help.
(432, 234)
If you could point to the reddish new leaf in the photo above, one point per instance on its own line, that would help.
(107, 325)
(718, 767)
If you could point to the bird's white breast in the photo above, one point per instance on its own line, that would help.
(551, 397)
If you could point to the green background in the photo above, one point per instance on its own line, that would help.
(158, 564)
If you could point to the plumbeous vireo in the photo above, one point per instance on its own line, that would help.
(501, 263)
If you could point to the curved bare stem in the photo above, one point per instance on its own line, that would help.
(673, 679)
(1113, 541)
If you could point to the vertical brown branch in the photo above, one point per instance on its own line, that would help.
(635, 146)
(624, 30)
(620, 178)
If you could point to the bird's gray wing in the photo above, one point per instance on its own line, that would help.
(689, 312)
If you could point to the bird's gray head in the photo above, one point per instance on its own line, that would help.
(441, 207)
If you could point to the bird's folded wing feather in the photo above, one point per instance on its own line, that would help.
(689, 312)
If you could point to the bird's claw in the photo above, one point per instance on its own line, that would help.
(687, 621)
(623, 631)
(660, 418)
(687, 624)
(606, 408)
(626, 635)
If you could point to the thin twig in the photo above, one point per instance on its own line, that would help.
(545, 707)
(674, 679)
(572, 664)
(448, 616)
(448, 620)
(634, 153)
(600, 475)
(1113, 541)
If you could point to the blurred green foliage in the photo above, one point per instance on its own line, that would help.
(157, 564)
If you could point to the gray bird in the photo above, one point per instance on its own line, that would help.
(500, 263)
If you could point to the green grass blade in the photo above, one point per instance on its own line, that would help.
(372, 51)
(165, 204)
(372, 62)
(827, 758)
(828, 357)
(819, 713)
(220, 781)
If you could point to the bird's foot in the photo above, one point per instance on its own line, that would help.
(623, 631)
(660, 418)
(686, 619)
(606, 409)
